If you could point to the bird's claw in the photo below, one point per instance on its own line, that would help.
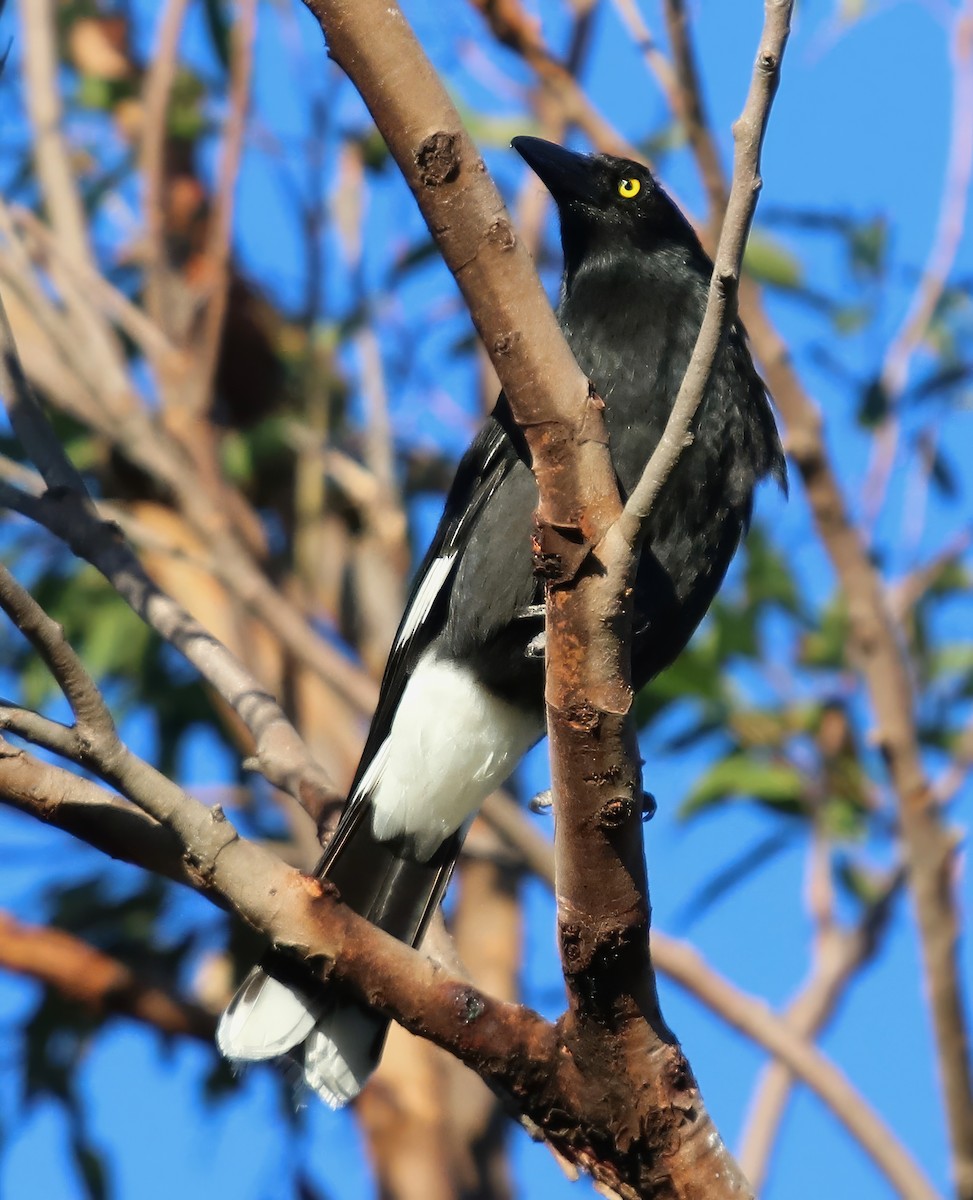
(542, 802)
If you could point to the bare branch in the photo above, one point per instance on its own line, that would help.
(28, 420)
(43, 98)
(692, 113)
(879, 653)
(512, 26)
(756, 1020)
(649, 48)
(158, 87)
(839, 956)
(112, 303)
(935, 275)
(60, 798)
(784, 1037)
(748, 135)
(32, 727)
(68, 512)
(217, 250)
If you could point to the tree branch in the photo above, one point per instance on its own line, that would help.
(748, 136)
(101, 983)
(935, 275)
(217, 250)
(43, 98)
(692, 113)
(878, 649)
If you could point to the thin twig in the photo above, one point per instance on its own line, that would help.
(649, 48)
(748, 135)
(28, 420)
(513, 27)
(158, 87)
(935, 275)
(216, 252)
(108, 299)
(43, 98)
(692, 113)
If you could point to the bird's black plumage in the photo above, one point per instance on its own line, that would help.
(461, 680)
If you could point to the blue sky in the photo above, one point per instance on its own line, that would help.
(861, 126)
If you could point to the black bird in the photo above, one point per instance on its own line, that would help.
(462, 697)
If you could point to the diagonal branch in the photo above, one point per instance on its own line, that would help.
(692, 112)
(43, 98)
(935, 275)
(67, 510)
(721, 303)
(795, 1057)
(90, 977)
(217, 249)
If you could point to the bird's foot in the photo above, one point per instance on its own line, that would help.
(531, 611)
(542, 802)
(537, 646)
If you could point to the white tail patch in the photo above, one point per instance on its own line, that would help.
(452, 742)
(264, 1019)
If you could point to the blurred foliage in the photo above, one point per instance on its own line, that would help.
(766, 694)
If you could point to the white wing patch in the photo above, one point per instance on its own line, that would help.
(452, 742)
(432, 583)
(373, 773)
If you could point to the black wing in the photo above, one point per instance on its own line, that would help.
(491, 456)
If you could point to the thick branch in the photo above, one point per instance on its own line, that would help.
(65, 800)
(548, 393)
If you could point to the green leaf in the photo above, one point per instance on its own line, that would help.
(850, 318)
(374, 151)
(868, 247)
(864, 884)
(776, 784)
(768, 261)
(825, 646)
(186, 119)
(767, 576)
(943, 476)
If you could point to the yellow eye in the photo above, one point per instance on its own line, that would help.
(627, 188)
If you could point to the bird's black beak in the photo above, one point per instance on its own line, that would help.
(566, 175)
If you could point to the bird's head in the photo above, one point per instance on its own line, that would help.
(607, 205)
